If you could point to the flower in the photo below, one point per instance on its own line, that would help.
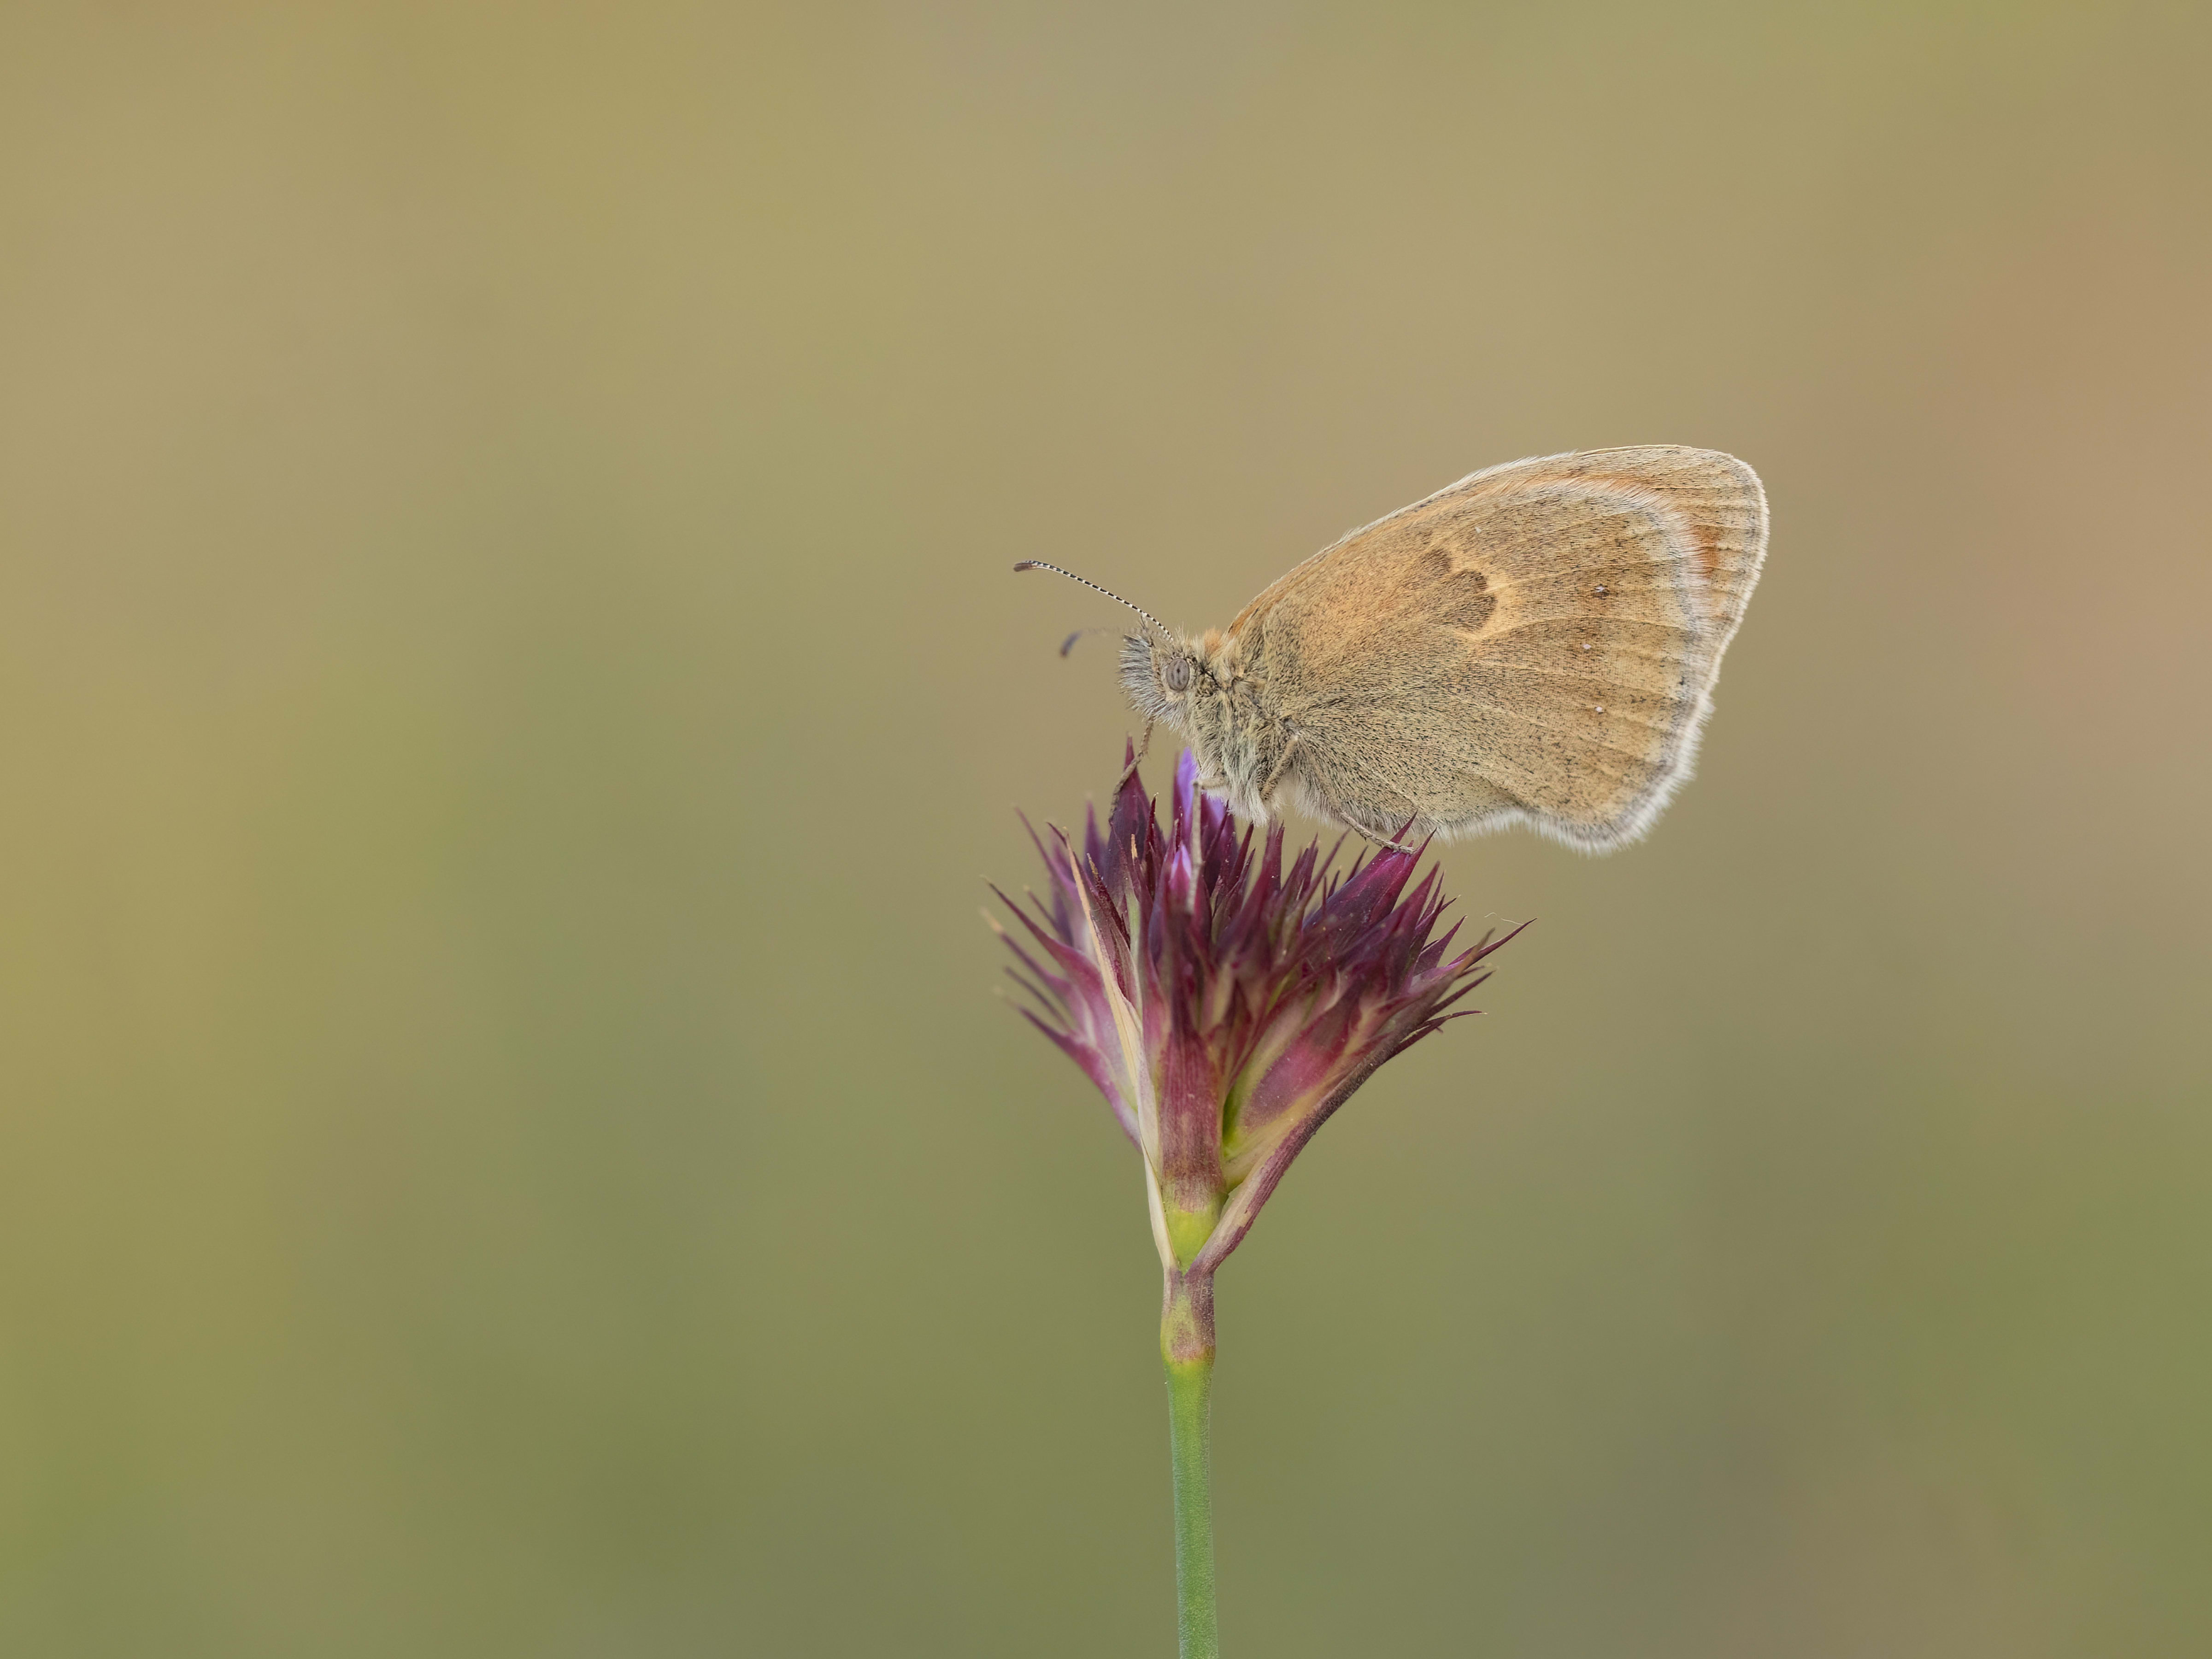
(1226, 1006)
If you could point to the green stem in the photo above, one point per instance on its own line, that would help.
(1190, 1407)
(1190, 1412)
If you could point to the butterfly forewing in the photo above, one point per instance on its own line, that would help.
(1537, 642)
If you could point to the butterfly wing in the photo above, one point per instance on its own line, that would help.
(1536, 643)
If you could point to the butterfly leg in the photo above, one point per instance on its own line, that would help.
(1267, 787)
(1144, 744)
(1385, 841)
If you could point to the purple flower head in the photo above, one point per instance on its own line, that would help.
(1225, 1005)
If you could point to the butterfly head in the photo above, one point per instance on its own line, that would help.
(1168, 679)
(1172, 678)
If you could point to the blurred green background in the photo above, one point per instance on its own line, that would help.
(509, 679)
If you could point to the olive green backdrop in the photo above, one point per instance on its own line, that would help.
(509, 679)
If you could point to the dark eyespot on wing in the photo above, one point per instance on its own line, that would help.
(1433, 566)
(1457, 596)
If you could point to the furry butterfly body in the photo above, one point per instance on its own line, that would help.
(1535, 644)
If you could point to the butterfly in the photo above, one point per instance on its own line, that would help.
(1535, 644)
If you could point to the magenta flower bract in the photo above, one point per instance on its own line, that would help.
(1225, 1006)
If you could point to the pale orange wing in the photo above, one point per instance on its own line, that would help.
(1536, 643)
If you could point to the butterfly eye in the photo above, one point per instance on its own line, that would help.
(1178, 673)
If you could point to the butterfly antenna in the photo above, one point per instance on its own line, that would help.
(1039, 564)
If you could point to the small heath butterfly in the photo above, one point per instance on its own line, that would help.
(1535, 644)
